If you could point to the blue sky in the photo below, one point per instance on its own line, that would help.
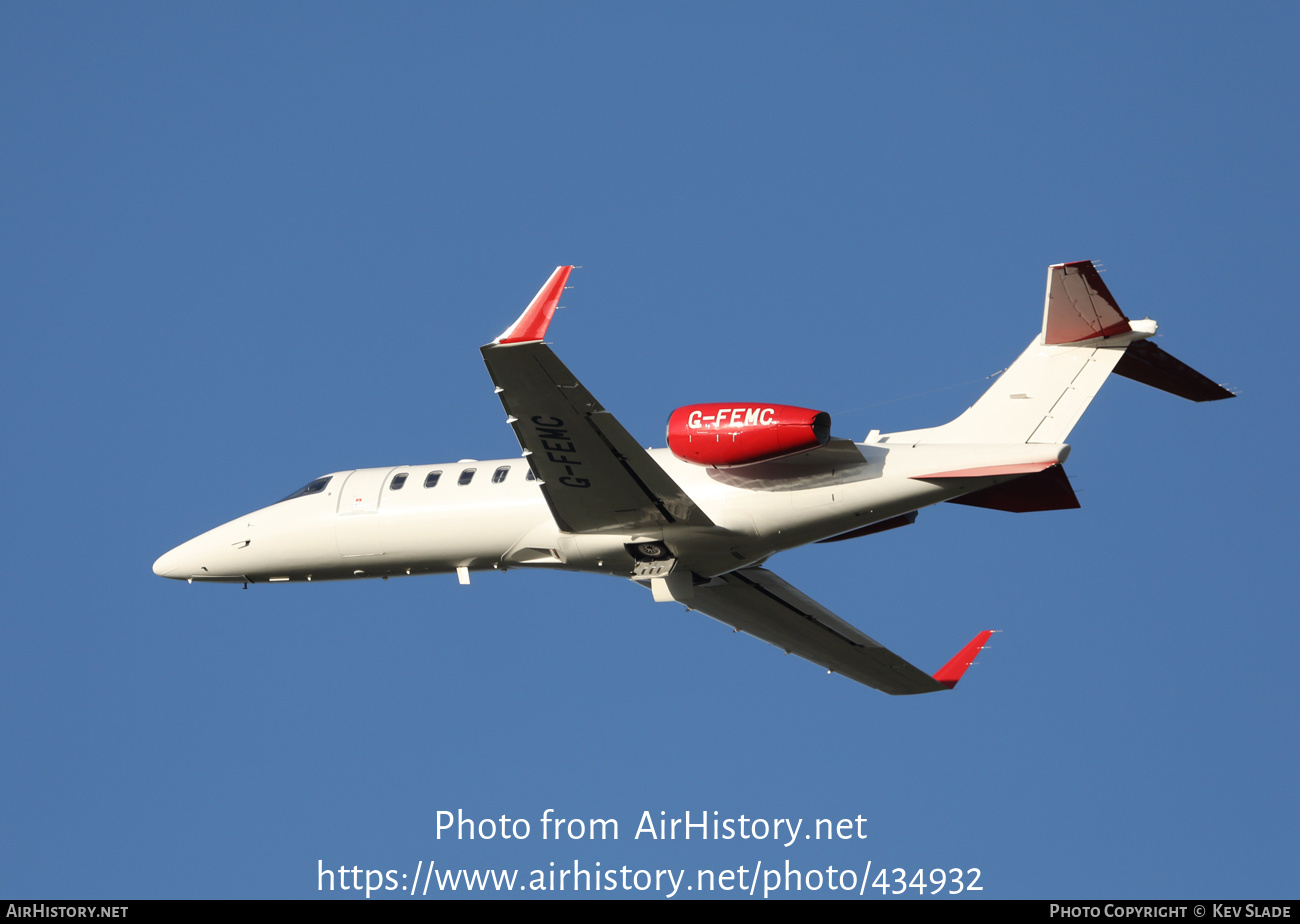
(245, 245)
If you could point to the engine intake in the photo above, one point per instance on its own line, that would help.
(726, 435)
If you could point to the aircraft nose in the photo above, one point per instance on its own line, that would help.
(210, 556)
(166, 564)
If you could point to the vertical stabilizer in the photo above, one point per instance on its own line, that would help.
(1043, 394)
(1085, 337)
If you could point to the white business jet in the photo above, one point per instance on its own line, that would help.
(737, 483)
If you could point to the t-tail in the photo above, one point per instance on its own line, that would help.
(1085, 338)
(1039, 399)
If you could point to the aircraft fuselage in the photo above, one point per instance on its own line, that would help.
(489, 515)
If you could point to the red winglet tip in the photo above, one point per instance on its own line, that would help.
(950, 673)
(532, 324)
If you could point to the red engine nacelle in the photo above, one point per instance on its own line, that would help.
(723, 435)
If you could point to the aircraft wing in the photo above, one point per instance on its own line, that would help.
(593, 474)
(756, 601)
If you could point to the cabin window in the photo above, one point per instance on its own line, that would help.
(431, 479)
(314, 487)
(530, 476)
(466, 476)
(398, 481)
(500, 474)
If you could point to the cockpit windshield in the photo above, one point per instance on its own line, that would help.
(314, 487)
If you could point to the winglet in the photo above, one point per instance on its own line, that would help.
(532, 324)
(950, 673)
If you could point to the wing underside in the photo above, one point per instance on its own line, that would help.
(756, 601)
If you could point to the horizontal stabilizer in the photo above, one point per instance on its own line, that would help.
(950, 673)
(1146, 363)
(1049, 489)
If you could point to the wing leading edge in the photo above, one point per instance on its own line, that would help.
(756, 601)
(594, 475)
